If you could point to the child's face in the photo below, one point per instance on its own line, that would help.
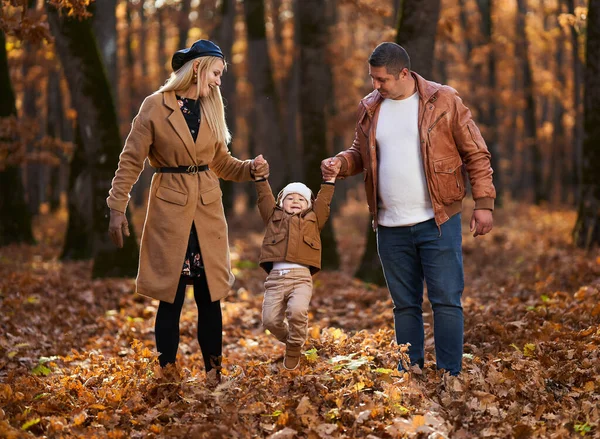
(294, 203)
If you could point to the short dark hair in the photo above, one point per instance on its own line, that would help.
(392, 56)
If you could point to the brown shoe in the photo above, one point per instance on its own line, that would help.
(292, 358)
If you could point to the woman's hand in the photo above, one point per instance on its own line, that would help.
(259, 168)
(117, 226)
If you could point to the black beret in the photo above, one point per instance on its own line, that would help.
(198, 49)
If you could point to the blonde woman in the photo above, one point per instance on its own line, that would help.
(181, 129)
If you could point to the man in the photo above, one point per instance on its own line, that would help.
(413, 139)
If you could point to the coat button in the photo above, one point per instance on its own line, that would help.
(273, 242)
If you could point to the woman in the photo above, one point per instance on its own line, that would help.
(181, 129)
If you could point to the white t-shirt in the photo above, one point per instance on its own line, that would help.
(403, 196)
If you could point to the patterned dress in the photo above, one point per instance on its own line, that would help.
(192, 265)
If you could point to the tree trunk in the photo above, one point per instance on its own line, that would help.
(489, 118)
(560, 160)
(531, 140)
(184, 23)
(104, 23)
(223, 37)
(313, 29)
(78, 246)
(292, 105)
(98, 127)
(416, 29)
(34, 169)
(56, 127)
(577, 105)
(161, 17)
(586, 233)
(265, 118)
(15, 219)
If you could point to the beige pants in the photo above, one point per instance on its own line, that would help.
(287, 295)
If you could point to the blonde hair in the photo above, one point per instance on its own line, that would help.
(211, 105)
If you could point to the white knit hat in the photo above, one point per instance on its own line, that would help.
(295, 188)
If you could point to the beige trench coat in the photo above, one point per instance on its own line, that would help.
(160, 132)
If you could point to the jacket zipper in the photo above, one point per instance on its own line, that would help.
(436, 121)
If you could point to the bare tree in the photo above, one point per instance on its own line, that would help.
(530, 123)
(587, 228)
(266, 132)
(104, 24)
(315, 86)
(15, 219)
(98, 128)
(577, 104)
(223, 36)
(416, 28)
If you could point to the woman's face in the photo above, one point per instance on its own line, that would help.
(212, 77)
(294, 203)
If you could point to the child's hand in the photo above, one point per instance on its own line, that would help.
(260, 168)
(330, 168)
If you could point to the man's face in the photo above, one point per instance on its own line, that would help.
(388, 85)
(294, 203)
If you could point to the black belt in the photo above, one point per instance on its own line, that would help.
(192, 169)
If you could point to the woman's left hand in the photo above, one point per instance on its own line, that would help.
(259, 167)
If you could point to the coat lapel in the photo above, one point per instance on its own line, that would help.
(179, 124)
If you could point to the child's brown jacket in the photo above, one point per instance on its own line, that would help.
(292, 238)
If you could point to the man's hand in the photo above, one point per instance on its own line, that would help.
(259, 168)
(482, 222)
(330, 168)
(118, 225)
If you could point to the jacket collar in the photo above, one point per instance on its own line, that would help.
(179, 124)
(425, 88)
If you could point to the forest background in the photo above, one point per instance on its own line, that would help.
(76, 344)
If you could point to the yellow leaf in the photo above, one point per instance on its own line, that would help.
(358, 386)
(337, 333)
(98, 407)
(312, 355)
(528, 349)
(589, 386)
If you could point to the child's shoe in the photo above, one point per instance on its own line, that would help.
(292, 357)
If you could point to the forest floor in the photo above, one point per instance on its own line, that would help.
(77, 355)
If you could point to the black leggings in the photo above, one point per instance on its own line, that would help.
(210, 324)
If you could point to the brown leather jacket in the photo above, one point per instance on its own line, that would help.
(292, 238)
(450, 142)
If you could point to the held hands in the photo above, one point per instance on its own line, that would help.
(482, 222)
(117, 226)
(259, 168)
(330, 168)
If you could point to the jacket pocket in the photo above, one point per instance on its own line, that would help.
(172, 196)
(449, 179)
(274, 239)
(211, 195)
(312, 242)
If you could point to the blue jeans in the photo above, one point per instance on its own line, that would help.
(410, 255)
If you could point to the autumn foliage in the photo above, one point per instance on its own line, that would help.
(77, 355)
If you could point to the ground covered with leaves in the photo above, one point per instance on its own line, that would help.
(77, 355)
